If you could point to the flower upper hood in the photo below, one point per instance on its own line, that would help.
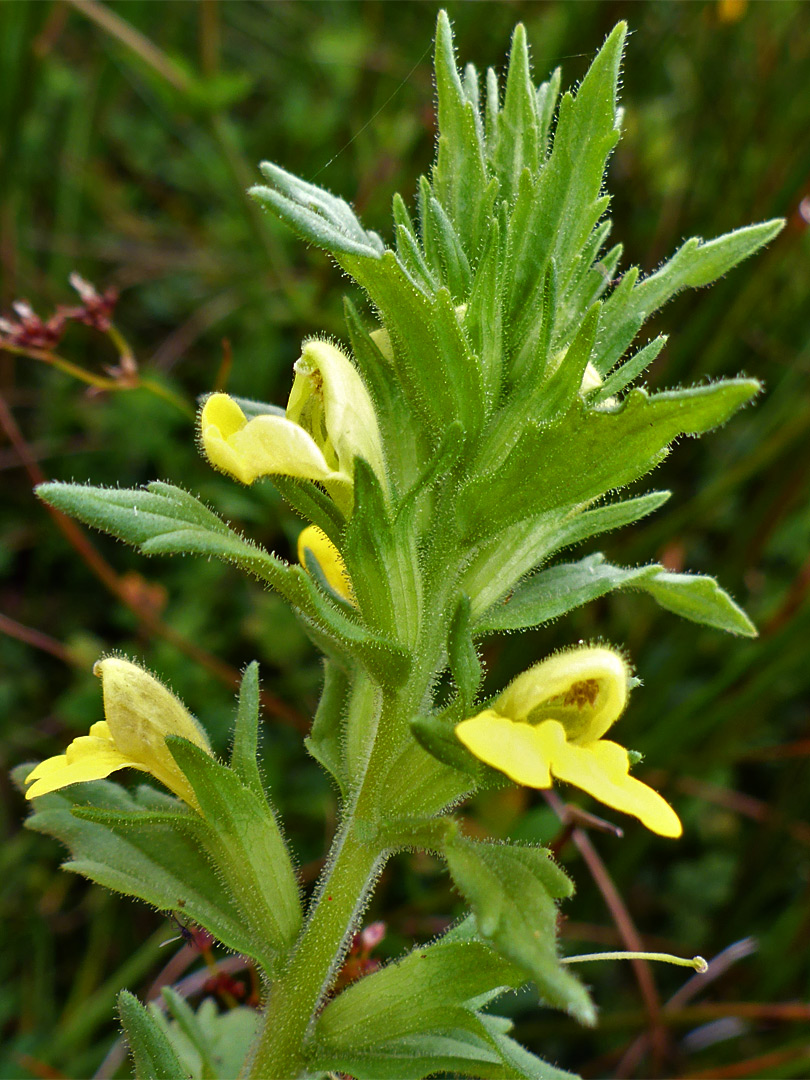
(139, 713)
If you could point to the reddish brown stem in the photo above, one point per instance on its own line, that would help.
(36, 639)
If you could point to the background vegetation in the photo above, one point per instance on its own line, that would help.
(128, 134)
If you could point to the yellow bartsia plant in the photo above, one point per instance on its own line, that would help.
(329, 422)
(139, 713)
(502, 369)
(549, 722)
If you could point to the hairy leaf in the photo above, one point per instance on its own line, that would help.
(555, 591)
(512, 890)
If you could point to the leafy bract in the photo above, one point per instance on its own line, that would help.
(693, 265)
(553, 592)
(588, 452)
(152, 1052)
(512, 891)
(208, 865)
(165, 520)
(503, 560)
(148, 846)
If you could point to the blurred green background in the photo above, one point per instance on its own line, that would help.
(128, 135)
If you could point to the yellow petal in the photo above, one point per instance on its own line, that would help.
(328, 558)
(87, 758)
(518, 750)
(584, 688)
(223, 413)
(263, 446)
(140, 713)
(602, 769)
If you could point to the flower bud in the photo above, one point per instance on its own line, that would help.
(330, 402)
(314, 540)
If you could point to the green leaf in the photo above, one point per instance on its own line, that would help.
(517, 146)
(694, 264)
(548, 94)
(459, 177)
(463, 659)
(562, 588)
(583, 268)
(244, 756)
(401, 437)
(409, 251)
(419, 782)
(148, 846)
(699, 598)
(450, 260)
(245, 844)
(316, 215)
(428, 989)
(506, 558)
(437, 735)
(587, 130)
(163, 519)
(532, 342)
(518, 1058)
(325, 740)
(588, 452)
(432, 358)
(589, 281)
(436, 475)
(369, 550)
(340, 634)
(483, 322)
(416, 1016)
(554, 216)
(189, 1025)
(629, 371)
(563, 384)
(511, 890)
(457, 1052)
(152, 1052)
(313, 504)
(584, 524)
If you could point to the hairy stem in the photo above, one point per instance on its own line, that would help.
(298, 992)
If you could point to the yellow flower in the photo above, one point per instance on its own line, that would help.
(550, 721)
(140, 712)
(329, 423)
(329, 559)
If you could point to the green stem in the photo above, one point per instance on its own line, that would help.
(298, 992)
(376, 727)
